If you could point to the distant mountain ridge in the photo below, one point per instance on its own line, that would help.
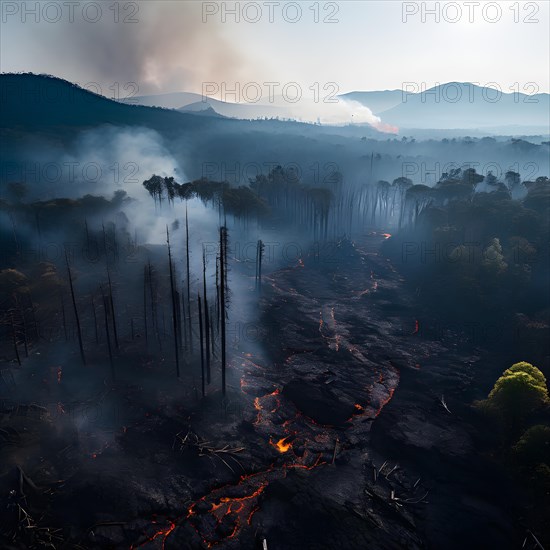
(445, 106)
(41, 101)
(29, 101)
(458, 105)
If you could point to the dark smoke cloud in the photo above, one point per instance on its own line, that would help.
(169, 48)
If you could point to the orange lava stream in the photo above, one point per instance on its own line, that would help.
(164, 533)
(282, 445)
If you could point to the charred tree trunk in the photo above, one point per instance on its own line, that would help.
(154, 312)
(79, 331)
(87, 235)
(112, 304)
(106, 310)
(178, 316)
(104, 242)
(223, 244)
(184, 318)
(145, 305)
(206, 319)
(188, 280)
(259, 257)
(212, 339)
(202, 347)
(174, 306)
(218, 294)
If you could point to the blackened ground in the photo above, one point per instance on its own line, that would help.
(334, 435)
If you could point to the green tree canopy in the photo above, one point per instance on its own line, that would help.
(517, 393)
(523, 366)
(534, 445)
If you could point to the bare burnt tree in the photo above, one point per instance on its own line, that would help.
(112, 305)
(174, 305)
(223, 283)
(77, 318)
(202, 347)
(206, 317)
(106, 310)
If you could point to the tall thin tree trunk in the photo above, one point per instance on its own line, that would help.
(223, 242)
(202, 347)
(87, 235)
(212, 339)
(112, 303)
(184, 317)
(80, 345)
(106, 310)
(145, 305)
(218, 293)
(260, 253)
(206, 318)
(104, 242)
(174, 307)
(188, 279)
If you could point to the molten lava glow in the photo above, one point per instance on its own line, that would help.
(258, 407)
(386, 235)
(160, 533)
(416, 327)
(384, 402)
(282, 446)
(358, 407)
(234, 511)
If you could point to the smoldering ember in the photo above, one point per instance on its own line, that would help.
(275, 324)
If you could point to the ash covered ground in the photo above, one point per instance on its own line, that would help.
(345, 423)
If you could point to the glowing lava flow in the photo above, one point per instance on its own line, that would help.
(230, 508)
(160, 533)
(282, 446)
(416, 326)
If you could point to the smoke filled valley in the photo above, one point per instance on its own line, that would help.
(229, 333)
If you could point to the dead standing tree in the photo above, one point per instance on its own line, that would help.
(206, 316)
(106, 310)
(112, 305)
(223, 282)
(79, 331)
(188, 280)
(202, 347)
(174, 305)
(259, 257)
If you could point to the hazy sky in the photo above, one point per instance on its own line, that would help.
(166, 46)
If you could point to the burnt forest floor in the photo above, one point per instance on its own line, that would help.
(345, 425)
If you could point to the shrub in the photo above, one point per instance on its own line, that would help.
(534, 445)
